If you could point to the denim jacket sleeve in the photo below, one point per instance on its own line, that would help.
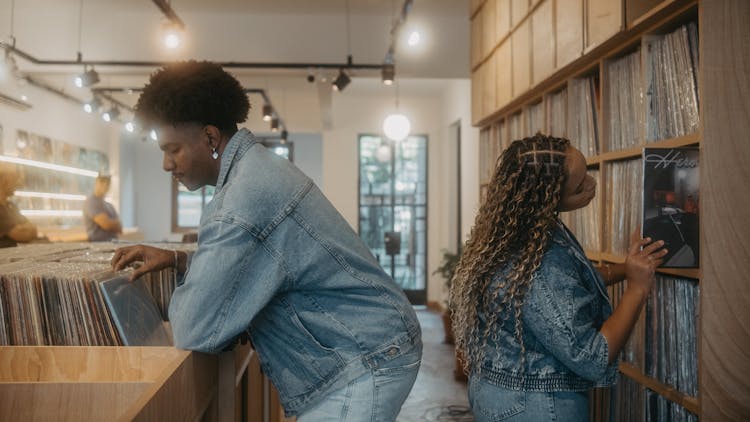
(556, 311)
(232, 276)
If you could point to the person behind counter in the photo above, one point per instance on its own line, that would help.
(334, 333)
(99, 216)
(530, 311)
(14, 227)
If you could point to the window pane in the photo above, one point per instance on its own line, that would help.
(393, 205)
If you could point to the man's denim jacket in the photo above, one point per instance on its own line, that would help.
(275, 258)
(563, 311)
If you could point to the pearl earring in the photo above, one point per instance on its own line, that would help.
(214, 153)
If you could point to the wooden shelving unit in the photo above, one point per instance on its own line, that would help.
(585, 47)
(689, 403)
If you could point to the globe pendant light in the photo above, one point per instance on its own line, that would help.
(396, 126)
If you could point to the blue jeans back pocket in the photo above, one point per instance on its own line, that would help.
(491, 403)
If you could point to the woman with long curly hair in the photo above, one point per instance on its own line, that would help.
(530, 312)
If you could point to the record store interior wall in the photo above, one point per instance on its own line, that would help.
(62, 121)
(141, 190)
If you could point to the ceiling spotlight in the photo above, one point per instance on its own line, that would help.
(414, 38)
(275, 124)
(8, 67)
(152, 135)
(87, 78)
(388, 71)
(92, 105)
(130, 127)
(172, 35)
(172, 40)
(267, 112)
(341, 81)
(110, 114)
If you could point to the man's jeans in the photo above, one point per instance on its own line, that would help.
(373, 397)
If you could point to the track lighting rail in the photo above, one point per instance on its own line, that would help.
(170, 14)
(349, 64)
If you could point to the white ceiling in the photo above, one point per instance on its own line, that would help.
(367, 7)
(248, 31)
(279, 31)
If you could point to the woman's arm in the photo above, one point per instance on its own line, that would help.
(612, 273)
(640, 266)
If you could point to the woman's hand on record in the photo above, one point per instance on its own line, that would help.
(644, 256)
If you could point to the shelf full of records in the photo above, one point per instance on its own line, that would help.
(66, 295)
(663, 347)
(640, 97)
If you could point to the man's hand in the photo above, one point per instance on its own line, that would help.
(154, 259)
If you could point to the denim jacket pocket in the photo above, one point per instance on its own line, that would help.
(403, 350)
(308, 364)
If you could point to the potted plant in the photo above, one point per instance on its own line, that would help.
(446, 269)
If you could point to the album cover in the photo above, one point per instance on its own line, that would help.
(671, 201)
(134, 313)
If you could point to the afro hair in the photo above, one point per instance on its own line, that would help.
(192, 92)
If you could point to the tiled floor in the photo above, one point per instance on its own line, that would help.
(436, 396)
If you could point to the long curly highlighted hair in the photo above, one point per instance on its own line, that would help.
(511, 232)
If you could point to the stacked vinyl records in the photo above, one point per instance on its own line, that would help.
(582, 115)
(663, 345)
(624, 199)
(672, 89)
(625, 102)
(51, 294)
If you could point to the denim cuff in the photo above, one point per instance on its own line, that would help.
(181, 276)
(600, 353)
(601, 359)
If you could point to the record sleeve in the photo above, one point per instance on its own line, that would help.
(134, 312)
(671, 203)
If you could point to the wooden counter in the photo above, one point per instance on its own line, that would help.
(131, 383)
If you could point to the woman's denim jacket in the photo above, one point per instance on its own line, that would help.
(275, 258)
(563, 311)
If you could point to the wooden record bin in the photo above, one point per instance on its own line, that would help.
(104, 383)
(68, 383)
(561, 66)
(62, 359)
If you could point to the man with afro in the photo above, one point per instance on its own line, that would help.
(275, 260)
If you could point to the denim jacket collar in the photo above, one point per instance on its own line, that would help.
(240, 142)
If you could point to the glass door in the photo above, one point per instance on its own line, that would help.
(393, 208)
